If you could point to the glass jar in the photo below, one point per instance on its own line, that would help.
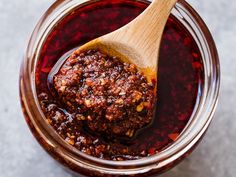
(88, 165)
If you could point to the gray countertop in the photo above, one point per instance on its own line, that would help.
(21, 155)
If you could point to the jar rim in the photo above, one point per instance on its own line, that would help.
(193, 131)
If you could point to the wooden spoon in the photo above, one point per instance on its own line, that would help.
(139, 41)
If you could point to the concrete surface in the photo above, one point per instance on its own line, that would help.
(20, 154)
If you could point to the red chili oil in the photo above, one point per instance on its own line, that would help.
(180, 74)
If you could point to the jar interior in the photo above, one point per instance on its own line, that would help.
(180, 75)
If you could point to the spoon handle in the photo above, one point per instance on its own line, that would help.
(145, 32)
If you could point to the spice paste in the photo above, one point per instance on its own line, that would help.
(109, 96)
